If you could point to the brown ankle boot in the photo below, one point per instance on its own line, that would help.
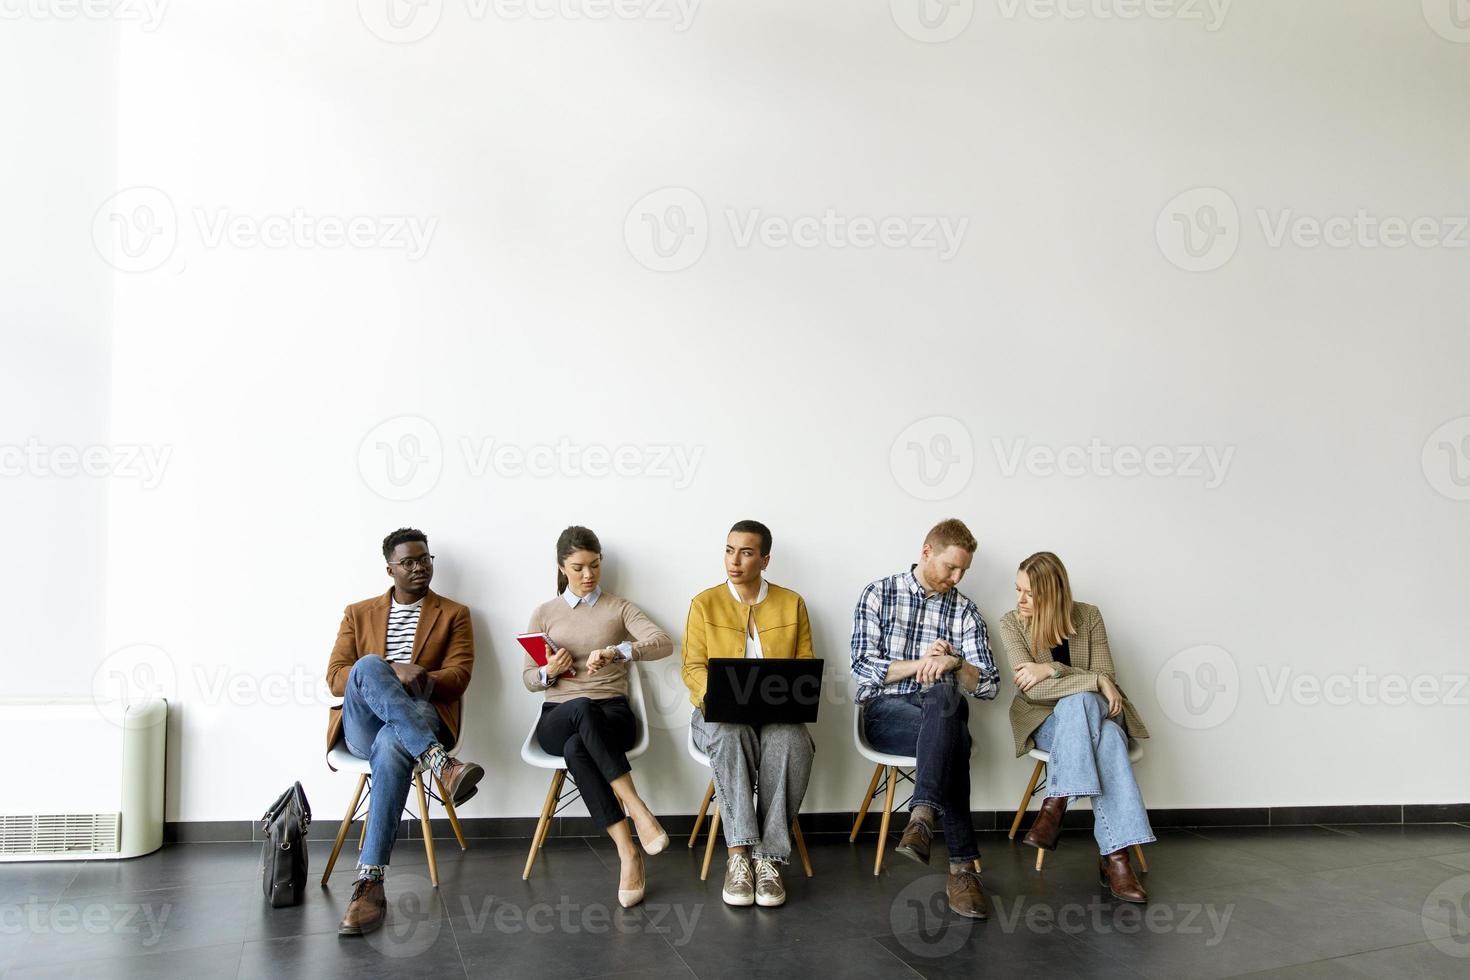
(459, 779)
(1047, 826)
(366, 910)
(1116, 872)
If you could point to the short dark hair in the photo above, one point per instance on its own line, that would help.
(755, 527)
(401, 535)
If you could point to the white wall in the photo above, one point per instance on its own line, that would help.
(58, 125)
(1062, 318)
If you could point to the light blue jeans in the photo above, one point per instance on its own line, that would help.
(383, 723)
(1089, 757)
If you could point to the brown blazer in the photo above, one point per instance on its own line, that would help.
(1090, 657)
(444, 645)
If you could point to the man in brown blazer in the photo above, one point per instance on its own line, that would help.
(401, 663)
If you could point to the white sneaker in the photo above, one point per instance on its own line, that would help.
(739, 890)
(770, 890)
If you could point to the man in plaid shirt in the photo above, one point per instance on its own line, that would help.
(919, 648)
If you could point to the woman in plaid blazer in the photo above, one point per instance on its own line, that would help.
(1069, 704)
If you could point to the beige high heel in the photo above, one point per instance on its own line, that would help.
(654, 845)
(629, 897)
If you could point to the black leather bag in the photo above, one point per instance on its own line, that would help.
(283, 860)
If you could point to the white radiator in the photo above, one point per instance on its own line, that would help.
(84, 779)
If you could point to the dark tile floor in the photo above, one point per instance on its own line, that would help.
(1301, 902)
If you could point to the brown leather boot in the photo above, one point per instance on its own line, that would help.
(366, 911)
(459, 779)
(914, 843)
(965, 895)
(1115, 871)
(1047, 826)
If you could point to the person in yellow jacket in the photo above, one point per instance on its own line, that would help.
(746, 616)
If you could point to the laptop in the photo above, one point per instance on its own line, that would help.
(763, 692)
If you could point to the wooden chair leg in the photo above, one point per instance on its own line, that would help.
(709, 794)
(709, 849)
(1040, 857)
(346, 826)
(883, 828)
(453, 817)
(1142, 861)
(362, 837)
(867, 799)
(806, 859)
(541, 824)
(561, 783)
(1026, 798)
(418, 782)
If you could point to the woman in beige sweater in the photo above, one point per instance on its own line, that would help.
(587, 720)
(1069, 704)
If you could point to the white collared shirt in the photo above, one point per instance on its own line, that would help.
(753, 649)
(590, 599)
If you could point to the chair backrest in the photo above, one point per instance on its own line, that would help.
(640, 709)
(701, 757)
(859, 738)
(463, 721)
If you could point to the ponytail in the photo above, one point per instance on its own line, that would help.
(574, 538)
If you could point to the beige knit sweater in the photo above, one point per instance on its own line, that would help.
(582, 629)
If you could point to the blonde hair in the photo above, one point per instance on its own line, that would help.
(1051, 601)
(950, 533)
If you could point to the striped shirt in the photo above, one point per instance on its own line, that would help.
(896, 620)
(403, 623)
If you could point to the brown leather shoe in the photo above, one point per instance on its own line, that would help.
(966, 897)
(1116, 872)
(914, 843)
(459, 779)
(367, 909)
(1047, 826)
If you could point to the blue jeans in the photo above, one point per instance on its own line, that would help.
(933, 726)
(1089, 757)
(383, 723)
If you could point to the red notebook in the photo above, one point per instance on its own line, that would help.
(535, 645)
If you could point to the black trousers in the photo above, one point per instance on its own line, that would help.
(593, 737)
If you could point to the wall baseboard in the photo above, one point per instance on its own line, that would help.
(324, 827)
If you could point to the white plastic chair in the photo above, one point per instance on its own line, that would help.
(1042, 757)
(532, 754)
(714, 822)
(888, 771)
(343, 760)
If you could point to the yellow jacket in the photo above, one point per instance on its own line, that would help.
(717, 628)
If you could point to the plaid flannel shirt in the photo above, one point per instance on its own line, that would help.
(895, 620)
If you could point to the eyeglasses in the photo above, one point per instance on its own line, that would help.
(409, 564)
